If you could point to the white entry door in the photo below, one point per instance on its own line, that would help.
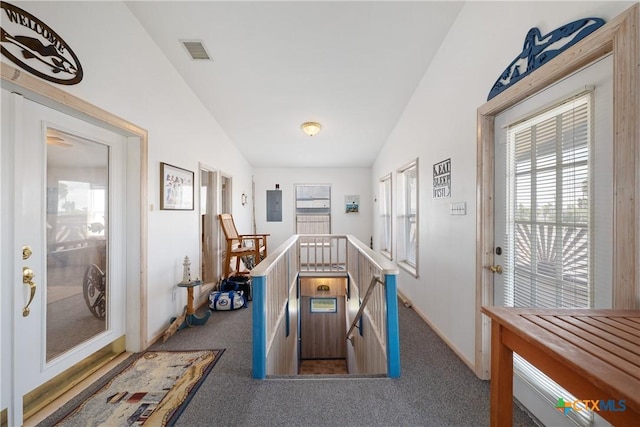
(553, 212)
(69, 243)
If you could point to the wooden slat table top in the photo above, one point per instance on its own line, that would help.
(598, 344)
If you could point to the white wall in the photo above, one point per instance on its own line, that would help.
(126, 74)
(343, 181)
(439, 123)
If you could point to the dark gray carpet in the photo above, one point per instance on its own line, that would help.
(435, 389)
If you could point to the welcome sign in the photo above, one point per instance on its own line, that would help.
(34, 46)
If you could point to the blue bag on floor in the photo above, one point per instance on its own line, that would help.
(238, 283)
(226, 300)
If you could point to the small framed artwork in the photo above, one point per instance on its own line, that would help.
(352, 204)
(324, 305)
(176, 188)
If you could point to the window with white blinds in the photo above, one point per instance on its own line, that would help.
(313, 209)
(549, 208)
(549, 243)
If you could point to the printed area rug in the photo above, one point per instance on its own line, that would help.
(153, 390)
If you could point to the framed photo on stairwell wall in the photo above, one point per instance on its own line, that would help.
(176, 188)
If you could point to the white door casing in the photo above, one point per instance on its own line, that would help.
(136, 195)
(31, 368)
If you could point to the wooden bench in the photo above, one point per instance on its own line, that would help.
(593, 354)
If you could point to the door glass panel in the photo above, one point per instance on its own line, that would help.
(76, 237)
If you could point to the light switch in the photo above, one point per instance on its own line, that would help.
(459, 208)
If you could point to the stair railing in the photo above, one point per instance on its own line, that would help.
(275, 304)
(374, 280)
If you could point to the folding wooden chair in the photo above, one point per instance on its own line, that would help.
(241, 246)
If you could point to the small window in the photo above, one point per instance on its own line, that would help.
(408, 217)
(386, 221)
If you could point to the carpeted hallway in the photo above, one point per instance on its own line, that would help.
(435, 389)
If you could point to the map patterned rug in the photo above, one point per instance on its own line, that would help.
(153, 390)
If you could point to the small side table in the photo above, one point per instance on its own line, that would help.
(192, 318)
(188, 317)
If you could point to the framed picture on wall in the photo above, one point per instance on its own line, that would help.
(324, 305)
(176, 188)
(352, 204)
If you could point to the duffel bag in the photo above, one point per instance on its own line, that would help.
(228, 300)
(238, 283)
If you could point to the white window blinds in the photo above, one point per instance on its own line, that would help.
(313, 209)
(549, 209)
(549, 223)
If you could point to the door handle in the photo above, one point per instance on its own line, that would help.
(495, 268)
(27, 279)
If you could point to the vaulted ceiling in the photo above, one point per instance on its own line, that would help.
(351, 66)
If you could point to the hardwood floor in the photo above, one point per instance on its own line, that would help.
(323, 367)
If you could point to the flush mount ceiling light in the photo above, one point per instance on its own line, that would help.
(311, 128)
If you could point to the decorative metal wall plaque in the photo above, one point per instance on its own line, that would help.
(34, 46)
(442, 179)
(538, 50)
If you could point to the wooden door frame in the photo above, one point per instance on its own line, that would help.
(621, 38)
(44, 93)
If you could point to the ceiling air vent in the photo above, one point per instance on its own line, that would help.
(196, 50)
